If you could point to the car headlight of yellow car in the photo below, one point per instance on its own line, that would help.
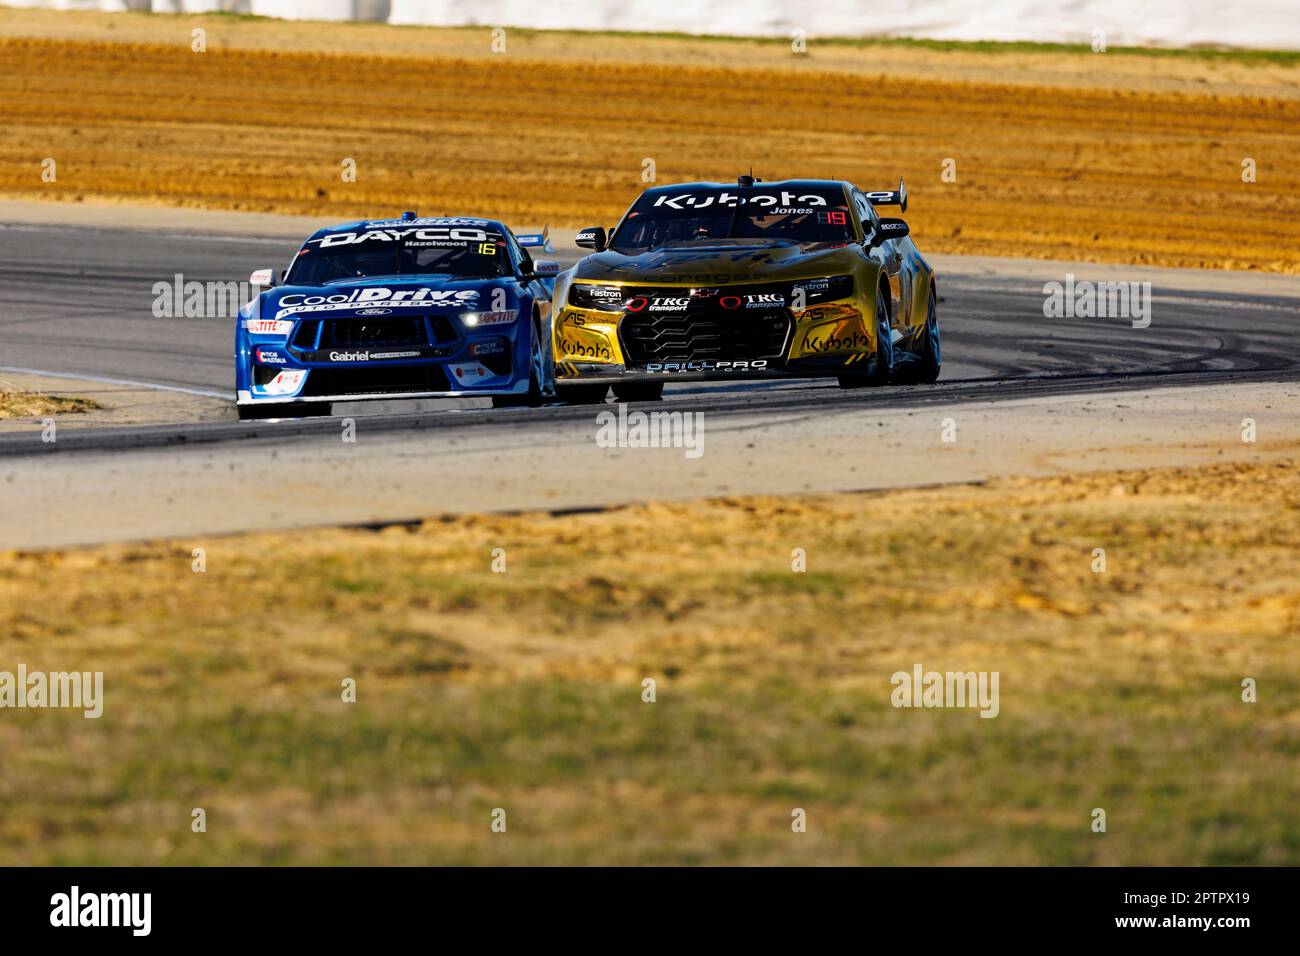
(591, 295)
(828, 289)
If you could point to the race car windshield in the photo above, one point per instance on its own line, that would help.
(408, 256)
(669, 220)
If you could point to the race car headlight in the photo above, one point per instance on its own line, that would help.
(822, 290)
(588, 295)
(474, 320)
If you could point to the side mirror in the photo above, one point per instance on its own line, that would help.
(541, 269)
(593, 238)
(264, 278)
(888, 229)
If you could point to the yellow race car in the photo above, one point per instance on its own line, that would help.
(799, 278)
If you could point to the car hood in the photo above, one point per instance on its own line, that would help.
(721, 263)
(382, 296)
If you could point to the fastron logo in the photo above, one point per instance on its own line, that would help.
(376, 297)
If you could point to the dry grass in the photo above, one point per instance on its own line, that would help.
(36, 405)
(1124, 159)
(522, 690)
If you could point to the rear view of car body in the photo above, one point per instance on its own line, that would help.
(391, 336)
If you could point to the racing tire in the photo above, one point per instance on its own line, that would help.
(926, 371)
(883, 369)
(253, 413)
(541, 385)
(582, 394)
(639, 392)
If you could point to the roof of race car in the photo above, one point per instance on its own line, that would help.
(362, 225)
(758, 184)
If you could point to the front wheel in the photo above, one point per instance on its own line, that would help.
(927, 370)
(541, 383)
(880, 373)
(924, 369)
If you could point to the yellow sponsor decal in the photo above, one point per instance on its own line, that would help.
(833, 330)
(576, 319)
(579, 342)
(840, 311)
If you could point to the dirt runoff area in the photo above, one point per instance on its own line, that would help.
(1116, 157)
(682, 683)
(29, 406)
(30, 402)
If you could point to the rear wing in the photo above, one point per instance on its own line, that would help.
(537, 240)
(897, 197)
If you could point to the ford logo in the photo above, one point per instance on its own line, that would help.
(375, 312)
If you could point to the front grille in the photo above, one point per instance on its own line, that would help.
(705, 331)
(365, 333)
(370, 332)
(370, 381)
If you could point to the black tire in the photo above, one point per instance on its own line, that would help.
(252, 413)
(924, 364)
(581, 394)
(540, 386)
(883, 367)
(931, 355)
(639, 391)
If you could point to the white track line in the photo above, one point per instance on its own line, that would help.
(200, 392)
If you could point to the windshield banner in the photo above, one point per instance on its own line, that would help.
(376, 297)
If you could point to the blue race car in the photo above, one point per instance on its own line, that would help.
(399, 308)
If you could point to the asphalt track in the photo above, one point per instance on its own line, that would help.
(78, 301)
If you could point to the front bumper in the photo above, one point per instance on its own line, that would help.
(247, 398)
(690, 344)
(573, 372)
(296, 367)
